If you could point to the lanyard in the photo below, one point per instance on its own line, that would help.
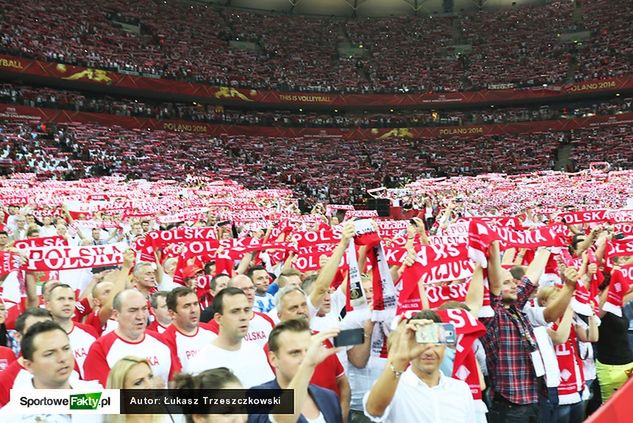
(521, 325)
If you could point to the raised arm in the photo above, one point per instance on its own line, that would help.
(561, 334)
(120, 283)
(537, 266)
(495, 271)
(560, 303)
(475, 294)
(328, 271)
(315, 355)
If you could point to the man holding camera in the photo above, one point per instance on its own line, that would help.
(412, 388)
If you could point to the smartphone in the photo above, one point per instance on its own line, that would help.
(618, 236)
(436, 333)
(349, 337)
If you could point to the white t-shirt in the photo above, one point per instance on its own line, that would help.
(414, 401)
(80, 341)
(110, 348)
(187, 346)
(248, 363)
(331, 319)
(48, 230)
(361, 380)
(545, 345)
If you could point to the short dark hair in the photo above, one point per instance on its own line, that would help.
(214, 281)
(54, 286)
(308, 283)
(293, 325)
(207, 267)
(517, 272)
(428, 315)
(174, 294)
(254, 269)
(218, 300)
(153, 299)
(27, 347)
(452, 305)
(20, 322)
(576, 239)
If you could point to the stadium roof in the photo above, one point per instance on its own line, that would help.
(369, 7)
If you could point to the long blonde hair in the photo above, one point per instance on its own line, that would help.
(116, 380)
(118, 372)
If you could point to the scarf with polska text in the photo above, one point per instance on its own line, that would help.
(68, 258)
(468, 330)
(583, 216)
(384, 291)
(480, 235)
(48, 241)
(409, 294)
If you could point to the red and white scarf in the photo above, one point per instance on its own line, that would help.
(67, 258)
(481, 235)
(384, 291)
(621, 280)
(572, 378)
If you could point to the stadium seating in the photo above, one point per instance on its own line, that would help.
(520, 45)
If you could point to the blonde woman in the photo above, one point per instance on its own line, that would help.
(134, 373)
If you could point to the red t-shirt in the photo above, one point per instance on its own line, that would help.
(6, 357)
(7, 378)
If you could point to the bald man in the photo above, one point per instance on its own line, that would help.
(131, 311)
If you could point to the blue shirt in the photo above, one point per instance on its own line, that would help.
(325, 400)
(264, 303)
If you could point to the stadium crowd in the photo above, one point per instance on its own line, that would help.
(194, 41)
(246, 292)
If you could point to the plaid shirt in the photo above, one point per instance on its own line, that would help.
(508, 357)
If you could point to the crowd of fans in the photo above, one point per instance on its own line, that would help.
(72, 100)
(521, 46)
(606, 54)
(546, 340)
(72, 151)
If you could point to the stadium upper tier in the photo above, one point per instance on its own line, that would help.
(316, 168)
(524, 46)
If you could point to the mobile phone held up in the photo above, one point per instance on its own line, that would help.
(349, 337)
(436, 333)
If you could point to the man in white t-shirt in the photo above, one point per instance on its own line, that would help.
(411, 388)
(48, 356)
(131, 311)
(60, 301)
(367, 360)
(247, 360)
(260, 325)
(328, 313)
(185, 336)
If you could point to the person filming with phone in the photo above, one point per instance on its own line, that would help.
(412, 388)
